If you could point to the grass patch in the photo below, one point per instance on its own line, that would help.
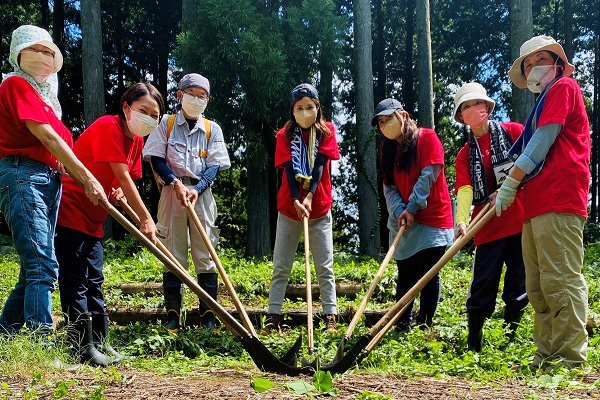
(439, 352)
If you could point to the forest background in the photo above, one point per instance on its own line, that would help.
(355, 52)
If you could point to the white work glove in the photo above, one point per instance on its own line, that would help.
(506, 194)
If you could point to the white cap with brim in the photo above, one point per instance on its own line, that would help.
(30, 35)
(471, 91)
(533, 45)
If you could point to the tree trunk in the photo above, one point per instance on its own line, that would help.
(521, 29)
(368, 210)
(45, 14)
(379, 44)
(568, 21)
(120, 57)
(408, 89)
(425, 69)
(326, 85)
(257, 206)
(91, 47)
(58, 35)
(163, 47)
(188, 18)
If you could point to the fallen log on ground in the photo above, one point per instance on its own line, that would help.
(126, 315)
(293, 291)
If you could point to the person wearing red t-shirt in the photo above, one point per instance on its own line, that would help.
(111, 149)
(553, 169)
(416, 193)
(35, 149)
(481, 166)
(304, 150)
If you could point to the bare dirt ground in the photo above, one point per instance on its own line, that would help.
(235, 384)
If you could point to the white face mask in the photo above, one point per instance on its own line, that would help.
(193, 106)
(305, 118)
(141, 124)
(392, 129)
(37, 65)
(540, 76)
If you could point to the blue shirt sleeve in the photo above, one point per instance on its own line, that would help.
(159, 165)
(394, 202)
(538, 146)
(418, 198)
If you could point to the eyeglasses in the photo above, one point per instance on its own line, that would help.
(43, 51)
(199, 96)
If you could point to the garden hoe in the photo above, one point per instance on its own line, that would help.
(261, 356)
(363, 304)
(309, 308)
(290, 357)
(366, 343)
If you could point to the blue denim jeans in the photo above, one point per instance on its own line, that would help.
(29, 198)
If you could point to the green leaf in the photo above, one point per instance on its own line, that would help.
(261, 385)
(323, 381)
(299, 387)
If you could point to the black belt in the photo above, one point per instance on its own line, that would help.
(188, 181)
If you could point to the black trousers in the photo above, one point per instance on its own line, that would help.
(410, 271)
(80, 278)
(487, 271)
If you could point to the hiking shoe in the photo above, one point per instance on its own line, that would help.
(330, 323)
(272, 325)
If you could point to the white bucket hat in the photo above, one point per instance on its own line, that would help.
(29, 35)
(533, 45)
(471, 91)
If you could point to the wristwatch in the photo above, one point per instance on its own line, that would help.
(173, 182)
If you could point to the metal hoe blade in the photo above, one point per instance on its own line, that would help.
(261, 356)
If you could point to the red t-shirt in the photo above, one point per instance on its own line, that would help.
(563, 183)
(19, 102)
(511, 220)
(103, 142)
(322, 198)
(430, 151)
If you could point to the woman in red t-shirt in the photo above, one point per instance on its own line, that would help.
(481, 166)
(416, 193)
(35, 149)
(553, 169)
(111, 148)
(305, 148)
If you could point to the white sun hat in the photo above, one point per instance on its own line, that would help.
(471, 91)
(29, 35)
(533, 45)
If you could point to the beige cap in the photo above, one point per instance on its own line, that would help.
(533, 45)
(471, 91)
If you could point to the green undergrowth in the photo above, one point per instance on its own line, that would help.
(438, 352)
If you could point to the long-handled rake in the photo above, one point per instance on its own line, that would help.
(366, 343)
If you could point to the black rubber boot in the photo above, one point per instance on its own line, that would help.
(512, 317)
(173, 290)
(79, 332)
(475, 338)
(210, 284)
(100, 337)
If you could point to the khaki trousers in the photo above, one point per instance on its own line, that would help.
(553, 257)
(177, 231)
